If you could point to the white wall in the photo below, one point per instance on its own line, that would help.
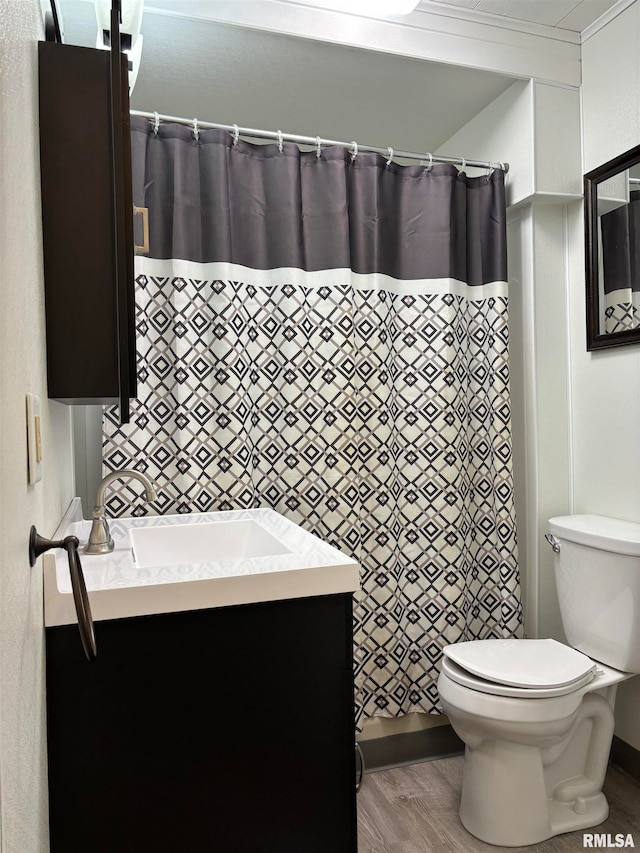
(23, 800)
(605, 386)
(610, 87)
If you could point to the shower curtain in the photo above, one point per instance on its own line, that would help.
(621, 265)
(327, 336)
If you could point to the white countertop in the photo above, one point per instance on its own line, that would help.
(118, 589)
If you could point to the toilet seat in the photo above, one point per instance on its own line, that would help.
(473, 682)
(518, 668)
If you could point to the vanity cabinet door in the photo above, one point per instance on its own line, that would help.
(215, 731)
(87, 215)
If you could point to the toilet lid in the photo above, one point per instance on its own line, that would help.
(522, 663)
(461, 676)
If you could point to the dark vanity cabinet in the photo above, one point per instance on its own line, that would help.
(87, 215)
(227, 730)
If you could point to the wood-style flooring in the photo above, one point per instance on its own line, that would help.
(414, 809)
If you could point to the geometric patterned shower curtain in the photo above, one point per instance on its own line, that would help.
(347, 366)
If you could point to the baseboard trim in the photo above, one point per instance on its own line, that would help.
(383, 753)
(626, 758)
(399, 750)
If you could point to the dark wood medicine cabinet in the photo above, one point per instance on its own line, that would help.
(87, 216)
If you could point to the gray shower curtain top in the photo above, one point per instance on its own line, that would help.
(261, 208)
(328, 336)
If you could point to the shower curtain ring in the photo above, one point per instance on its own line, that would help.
(280, 141)
(463, 166)
(156, 123)
(430, 166)
(390, 153)
(196, 131)
(236, 134)
(318, 147)
(354, 150)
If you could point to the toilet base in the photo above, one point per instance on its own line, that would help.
(592, 811)
(513, 809)
(563, 818)
(504, 800)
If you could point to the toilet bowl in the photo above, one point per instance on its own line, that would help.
(536, 716)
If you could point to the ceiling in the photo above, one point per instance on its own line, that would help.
(194, 66)
(574, 15)
(569, 15)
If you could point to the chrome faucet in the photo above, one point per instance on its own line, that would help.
(100, 541)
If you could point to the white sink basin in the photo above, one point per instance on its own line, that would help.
(193, 561)
(174, 544)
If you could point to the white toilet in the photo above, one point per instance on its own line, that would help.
(536, 716)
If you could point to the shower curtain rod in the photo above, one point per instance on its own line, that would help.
(355, 147)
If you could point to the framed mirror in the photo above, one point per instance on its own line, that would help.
(612, 243)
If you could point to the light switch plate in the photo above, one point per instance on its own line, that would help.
(34, 439)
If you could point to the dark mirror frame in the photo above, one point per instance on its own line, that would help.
(595, 338)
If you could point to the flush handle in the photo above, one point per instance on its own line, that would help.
(555, 545)
(37, 546)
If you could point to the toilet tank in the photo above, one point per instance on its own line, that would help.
(597, 571)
